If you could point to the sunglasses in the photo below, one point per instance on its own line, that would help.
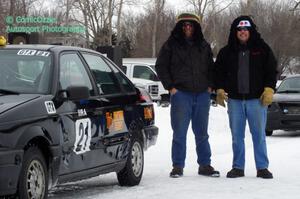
(185, 24)
(242, 28)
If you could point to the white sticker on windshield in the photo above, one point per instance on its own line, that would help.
(42, 53)
(30, 52)
(50, 107)
(26, 52)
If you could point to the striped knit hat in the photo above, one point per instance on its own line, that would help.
(188, 17)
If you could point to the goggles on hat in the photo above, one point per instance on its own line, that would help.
(244, 23)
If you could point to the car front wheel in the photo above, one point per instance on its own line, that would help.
(33, 182)
(132, 173)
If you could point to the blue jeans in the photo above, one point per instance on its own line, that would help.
(252, 110)
(186, 107)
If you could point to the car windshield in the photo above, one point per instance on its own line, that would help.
(290, 85)
(24, 71)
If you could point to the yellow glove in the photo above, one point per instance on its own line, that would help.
(221, 97)
(2, 41)
(267, 96)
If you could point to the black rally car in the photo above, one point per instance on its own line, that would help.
(68, 113)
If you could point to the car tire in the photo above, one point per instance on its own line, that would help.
(33, 181)
(131, 174)
(269, 132)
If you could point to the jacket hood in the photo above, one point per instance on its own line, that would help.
(177, 32)
(255, 38)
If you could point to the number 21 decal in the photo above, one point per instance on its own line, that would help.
(83, 136)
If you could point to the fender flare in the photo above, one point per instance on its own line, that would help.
(39, 132)
(31, 133)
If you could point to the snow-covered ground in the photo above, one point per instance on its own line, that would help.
(284, 156)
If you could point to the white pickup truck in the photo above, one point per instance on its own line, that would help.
(141, 72)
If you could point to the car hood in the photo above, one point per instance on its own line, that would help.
(283, 97)
(8, 102)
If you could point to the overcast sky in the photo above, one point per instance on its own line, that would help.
(177, 5)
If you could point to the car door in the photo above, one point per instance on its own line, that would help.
(117, 95)
(79, 120)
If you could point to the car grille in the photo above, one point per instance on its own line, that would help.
(290, 108)
(153, 90)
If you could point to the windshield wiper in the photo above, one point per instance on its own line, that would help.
(288, 91)
(8, 92)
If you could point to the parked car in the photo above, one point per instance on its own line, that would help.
(66, 114)
(141, 71)
(284, 112)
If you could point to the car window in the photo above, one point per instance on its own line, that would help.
(103, 74)
(124, 69)
(143, 72)
(73, 72)
(290, 84)
(153, 67)
(124, 81)
(25, 70)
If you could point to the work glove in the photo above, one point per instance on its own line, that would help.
(221, 97)
(267, 96)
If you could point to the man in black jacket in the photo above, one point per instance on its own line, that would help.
(246, 77)
(185, 65)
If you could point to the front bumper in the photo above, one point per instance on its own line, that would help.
(10, 167)
(278, 120)
(150, 136)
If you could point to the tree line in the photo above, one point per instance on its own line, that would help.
(141, 32)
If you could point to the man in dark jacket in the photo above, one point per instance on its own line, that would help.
(184, 65)
(246, 77)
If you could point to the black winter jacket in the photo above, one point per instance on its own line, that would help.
(262, 64)
(185, 67)
(262, 71)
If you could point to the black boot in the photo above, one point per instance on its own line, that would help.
(176, 172)
(208, 171)
(264, 173)
(235, 173)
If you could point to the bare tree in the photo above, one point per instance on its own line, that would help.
(4, 12)
(143, 29)
(297, 5)
(200, 6)
(278, 26)
(209, 9)
(158, 7)
(119, 7)
(119, 14)
(97, 15)
(108, 21)
(246, 8)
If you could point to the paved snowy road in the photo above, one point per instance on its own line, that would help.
(284, 155)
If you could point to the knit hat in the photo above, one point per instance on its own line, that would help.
(188, 17)
(244, 23)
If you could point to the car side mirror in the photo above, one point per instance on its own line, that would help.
(77, 92)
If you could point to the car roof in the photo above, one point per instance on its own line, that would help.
(148, 61)
(47, 47)
(292, 76)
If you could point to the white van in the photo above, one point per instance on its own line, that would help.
(141, 71)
